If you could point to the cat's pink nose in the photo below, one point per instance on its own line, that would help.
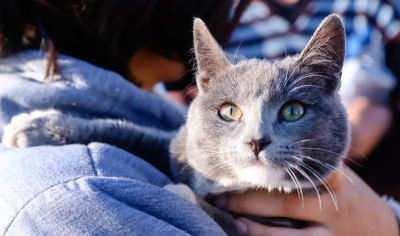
(258, 144)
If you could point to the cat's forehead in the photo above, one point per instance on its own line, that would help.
(255, 78)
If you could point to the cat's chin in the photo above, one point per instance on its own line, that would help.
(264, 176)
(254, 176)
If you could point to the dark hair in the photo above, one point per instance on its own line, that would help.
(107, 33)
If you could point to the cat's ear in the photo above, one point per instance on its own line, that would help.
(325, 52)
(209, 56)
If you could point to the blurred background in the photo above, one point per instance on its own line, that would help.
(272, 29)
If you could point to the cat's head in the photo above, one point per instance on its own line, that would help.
(269, 124)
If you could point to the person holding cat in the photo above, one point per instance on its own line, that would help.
(361, 211)
(97, 188)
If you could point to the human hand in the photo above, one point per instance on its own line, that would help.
(361, 211)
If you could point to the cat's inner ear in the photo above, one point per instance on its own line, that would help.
(325, 52)
(209, 56)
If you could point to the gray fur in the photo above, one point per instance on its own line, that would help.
(213, 156)
(260, 88)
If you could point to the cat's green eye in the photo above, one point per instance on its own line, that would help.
(293, 111)
(229, 112)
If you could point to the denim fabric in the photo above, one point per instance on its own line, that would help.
(96, 189)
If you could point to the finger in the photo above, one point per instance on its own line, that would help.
(263, 203)
(256, 229)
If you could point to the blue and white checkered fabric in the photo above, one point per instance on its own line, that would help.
(264, 33)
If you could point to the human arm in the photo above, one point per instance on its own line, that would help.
(361, 211)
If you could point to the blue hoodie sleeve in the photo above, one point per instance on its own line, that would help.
(91, 190)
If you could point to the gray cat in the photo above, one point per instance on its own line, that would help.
(255, 124)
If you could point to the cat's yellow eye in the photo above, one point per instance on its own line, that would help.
(229, 112)
(293, 111)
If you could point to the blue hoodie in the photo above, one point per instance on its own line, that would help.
(94, 189)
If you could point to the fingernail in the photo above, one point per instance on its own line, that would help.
(242, 227)
(220, 201)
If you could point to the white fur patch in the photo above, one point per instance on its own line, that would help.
(265, 177)
(257, 175)
(183, 191)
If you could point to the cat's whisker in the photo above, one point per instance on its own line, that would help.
(348, 180)
(287, 71)
(301, 190)
(220, 166)
(294, 182)
(234, 83)
(310, 180)
(284, 46)
(203, 149)
(209, 156)
(298, 66)
(211, 170)
(307, 85)
(320, 149)
(307, 76)
(233, 86)
(193, 90)
(333, 168)
(187, 86)
(237, 49)
(186, 73)
(286, 77)
(359, 152)
(284, 86)
(235, 80)
(329, 189)
(301, 141)
(301, 78)
(323, 150)
(209, 151)
(348, 159)
(186, 166)
(298, 186)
